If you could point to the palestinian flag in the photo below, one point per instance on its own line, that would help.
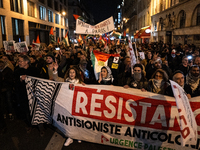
(66, 40)
(58, 40)
(79, 17)
(100, 59)
(101, 40)
(116, 34)
(51, 35)
(36, 45)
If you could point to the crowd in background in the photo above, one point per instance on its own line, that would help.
(162, 62)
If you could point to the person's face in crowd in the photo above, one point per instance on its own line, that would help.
(32, 60)
(195, 71)
(22, 63)
(5, 59)
(63, 51)
(49, 60)
(127, 61)
(149, 55)
(84, 66)
(165, 63)
(158, 76)
(79, 55)
(185, 61)
(137, 69)
(158, 65)
(179, 78)
(2, 65)
(104, 73)
(197, 61)
(196, 53)
(72, 74)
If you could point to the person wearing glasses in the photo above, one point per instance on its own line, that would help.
(159, 82)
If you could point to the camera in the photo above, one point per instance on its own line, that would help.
(189, 57)
(57, 48)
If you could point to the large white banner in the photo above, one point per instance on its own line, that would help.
(187, 120)
(98, 29)
(110, 115)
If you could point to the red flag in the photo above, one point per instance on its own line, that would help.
(58, 40)
(109, 40)
(76, 16)
(124, 33)
(38, 39)
(51, 31)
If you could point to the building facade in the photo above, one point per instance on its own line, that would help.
(77, 7)
(176, 21)
(25, 19)
(136, 16)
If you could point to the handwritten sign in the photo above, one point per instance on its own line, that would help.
(100, 28)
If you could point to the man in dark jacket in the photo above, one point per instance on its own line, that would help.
(6, 81)
(49, 60)
(178, 77)
(25, 69)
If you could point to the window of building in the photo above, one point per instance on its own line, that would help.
(182, 19)
(155, 26)
(57, 33)
(61, 9)
(42, 12)
(57, 19)
(1, 3)
(56, 5)
(18, 29)
(3, 31)
(42, 1)
(30, 9)
(49, 3)
(50, 16)
(62, 21)
(16, 5)
(66, 22)
(62, 34)
(198, 15)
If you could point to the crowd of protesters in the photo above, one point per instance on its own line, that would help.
(162, 62)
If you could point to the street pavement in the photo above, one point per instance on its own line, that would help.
(16, 138)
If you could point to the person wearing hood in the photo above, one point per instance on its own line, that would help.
(105, 76)
(159, 82)
(138, 80)
(193, 79)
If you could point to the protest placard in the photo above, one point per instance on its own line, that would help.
(98, 29)
(21, 47)
(9, 46)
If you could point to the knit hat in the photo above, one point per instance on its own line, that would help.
(50, 54)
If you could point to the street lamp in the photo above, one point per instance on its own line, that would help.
(63, 13)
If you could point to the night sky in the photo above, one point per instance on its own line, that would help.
(101, 9)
